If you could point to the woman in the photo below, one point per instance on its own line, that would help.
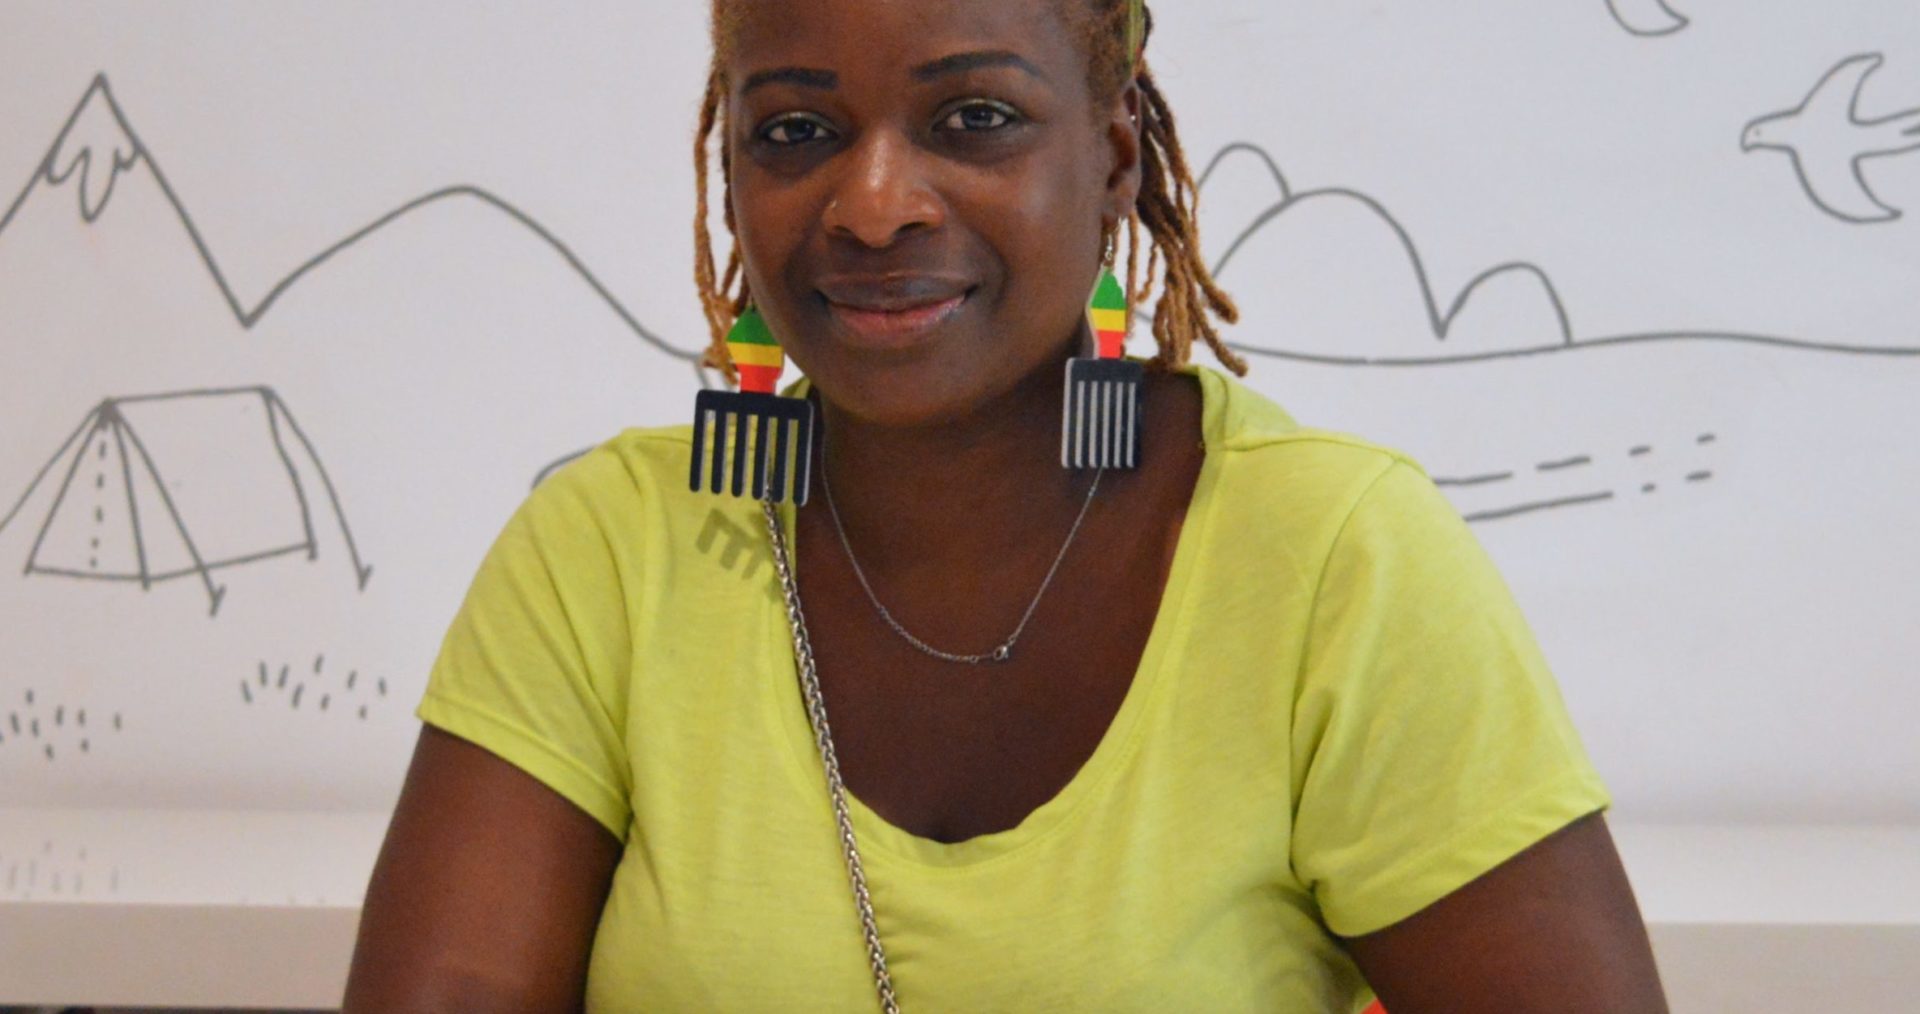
(1272, 731)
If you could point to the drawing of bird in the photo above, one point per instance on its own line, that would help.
(1828, 141)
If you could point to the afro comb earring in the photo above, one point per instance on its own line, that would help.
(756, 415)
(1101, 424)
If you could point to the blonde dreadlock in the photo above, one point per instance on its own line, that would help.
(1189, 297)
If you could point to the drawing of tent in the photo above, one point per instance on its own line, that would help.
(161, 487)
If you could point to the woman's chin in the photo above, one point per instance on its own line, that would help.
(948, 377)
(898, 403)
(901, 395)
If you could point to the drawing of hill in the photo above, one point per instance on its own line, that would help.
(1354, 289)
(1566, 433)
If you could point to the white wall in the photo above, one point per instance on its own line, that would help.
(1654, 307)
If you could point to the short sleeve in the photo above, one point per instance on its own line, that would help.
(1430, 740)
(534, 667)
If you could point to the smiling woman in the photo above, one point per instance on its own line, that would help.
(1027, 148)
(1268, 733)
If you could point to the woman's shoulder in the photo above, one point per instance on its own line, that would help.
(629, 475)
(1302, 464)
(1303, 493)
(636, 454)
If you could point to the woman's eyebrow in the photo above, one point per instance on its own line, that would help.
(962, 62)
(805, 77)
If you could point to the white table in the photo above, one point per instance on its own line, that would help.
(181, 908)
(1780, 919)
(252, 909)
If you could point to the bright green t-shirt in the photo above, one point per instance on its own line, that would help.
(1341, 716)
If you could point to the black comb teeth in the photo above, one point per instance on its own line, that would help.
(1102, 426)
(774, 433)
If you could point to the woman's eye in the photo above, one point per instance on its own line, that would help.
(978, 116)
(795, 130)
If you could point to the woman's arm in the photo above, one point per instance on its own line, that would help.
(1554, 929)
(486, 895)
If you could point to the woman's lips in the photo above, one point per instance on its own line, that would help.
(893, 328)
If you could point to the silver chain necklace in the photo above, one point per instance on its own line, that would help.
(1005, 651)
(816, 705)
(823, 739)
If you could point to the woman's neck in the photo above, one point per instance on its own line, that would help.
(974, 488)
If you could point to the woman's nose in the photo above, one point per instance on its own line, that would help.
(884, 193)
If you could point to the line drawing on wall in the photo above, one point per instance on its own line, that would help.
(1441, 321)
(163, 487)
(124, 151)
(1828, 141)
(1647, 18)
(559, 463)
(1572, 469)
(102, 114)
(1548, 485)
(270, 684)
(28, 733)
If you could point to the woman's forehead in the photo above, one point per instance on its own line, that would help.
(892, 34)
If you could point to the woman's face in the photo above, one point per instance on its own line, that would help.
(919, 189)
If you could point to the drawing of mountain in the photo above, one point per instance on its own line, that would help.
(104, 289)
(100, 146)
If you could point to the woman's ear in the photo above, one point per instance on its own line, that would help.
(1124, 139)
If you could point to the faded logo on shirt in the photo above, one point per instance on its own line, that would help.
(741, 550)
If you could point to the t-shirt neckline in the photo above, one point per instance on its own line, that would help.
(875, 833)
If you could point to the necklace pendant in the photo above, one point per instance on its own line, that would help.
(1004, 653)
